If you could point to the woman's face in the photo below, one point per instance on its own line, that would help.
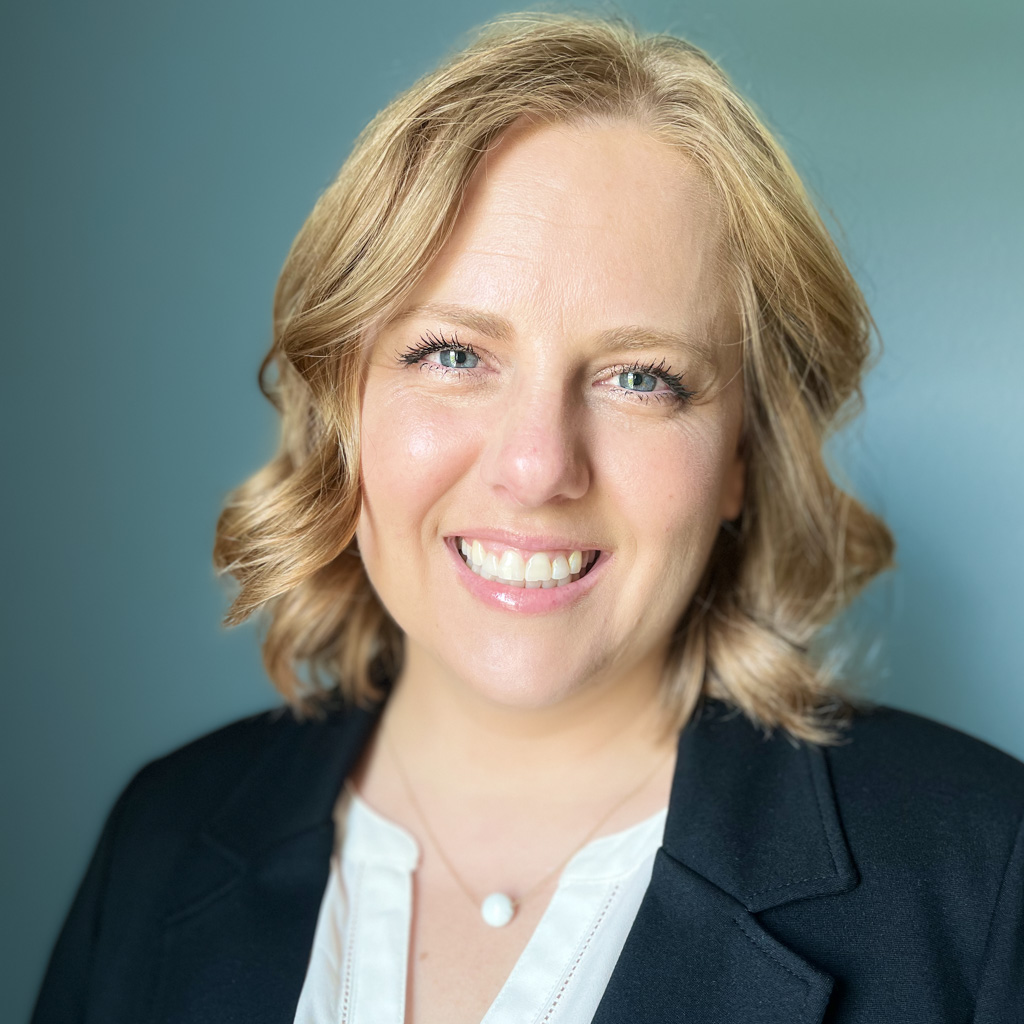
(535, 398)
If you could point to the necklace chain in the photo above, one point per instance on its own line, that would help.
(475, 900)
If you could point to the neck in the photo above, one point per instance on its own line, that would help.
(456, 739)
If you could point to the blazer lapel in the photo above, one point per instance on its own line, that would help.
(245, 902)
(752, 824)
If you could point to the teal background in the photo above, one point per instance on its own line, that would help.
(159, 159)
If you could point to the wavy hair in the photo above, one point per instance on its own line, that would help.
(802, 547)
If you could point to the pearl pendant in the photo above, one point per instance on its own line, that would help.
(497, 910)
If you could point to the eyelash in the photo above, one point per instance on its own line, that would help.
(430, 343)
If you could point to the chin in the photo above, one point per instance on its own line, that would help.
(516, 684)
(521, 683)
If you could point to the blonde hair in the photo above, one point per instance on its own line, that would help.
(801, 549)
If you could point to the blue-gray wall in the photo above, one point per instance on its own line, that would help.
(158, 160)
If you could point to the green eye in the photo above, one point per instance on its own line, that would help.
(635, 380)
(457, 358)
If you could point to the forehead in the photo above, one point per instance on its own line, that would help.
(600, 230)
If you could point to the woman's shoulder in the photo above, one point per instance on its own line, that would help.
(903, 755)
(910, 788)
(272, 751)
(206, 766)
(882, 752)
(899, 789)
(180, 837)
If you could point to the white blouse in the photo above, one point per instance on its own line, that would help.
(357, 968)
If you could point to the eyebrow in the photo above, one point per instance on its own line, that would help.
(494, 325)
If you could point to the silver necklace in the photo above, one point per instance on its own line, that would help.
(498, 908)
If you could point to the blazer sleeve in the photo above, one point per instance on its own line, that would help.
(1001, 991)
(64, 995)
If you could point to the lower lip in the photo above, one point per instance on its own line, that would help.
(527, 600)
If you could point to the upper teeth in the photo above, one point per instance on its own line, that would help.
(532, 569)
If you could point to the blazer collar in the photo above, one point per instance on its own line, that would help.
(755, 816)
(243, 903)
(752, 824)
(294, 786)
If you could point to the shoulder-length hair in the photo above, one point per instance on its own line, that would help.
(801, 549)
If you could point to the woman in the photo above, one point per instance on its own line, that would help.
(544, 552)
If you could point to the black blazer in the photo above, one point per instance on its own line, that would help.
(878, 881)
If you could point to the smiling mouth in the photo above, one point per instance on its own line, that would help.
(541, 570)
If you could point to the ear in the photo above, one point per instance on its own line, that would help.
(733, 485)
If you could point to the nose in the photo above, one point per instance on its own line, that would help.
(536, 450)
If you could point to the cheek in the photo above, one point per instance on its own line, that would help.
(410, 456)
(668, 485)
